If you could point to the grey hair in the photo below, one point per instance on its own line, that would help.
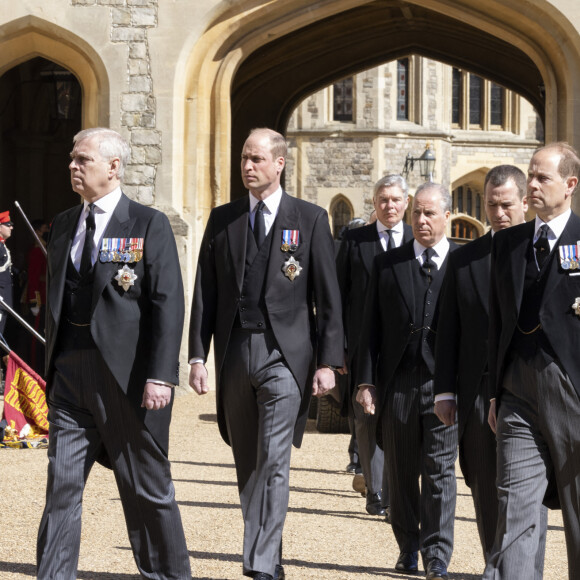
(446, 201)
(111, 145)
(390, 181)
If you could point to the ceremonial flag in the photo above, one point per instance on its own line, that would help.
(25, 408)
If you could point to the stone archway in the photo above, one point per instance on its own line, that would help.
(256, 61)
(51, 85)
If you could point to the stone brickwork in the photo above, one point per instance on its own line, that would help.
(130, 22)
(336, 163)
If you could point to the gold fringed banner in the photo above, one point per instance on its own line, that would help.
(25, 408)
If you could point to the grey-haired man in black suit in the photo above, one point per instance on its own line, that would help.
(113, 331)
(354, 264)
(395, 377)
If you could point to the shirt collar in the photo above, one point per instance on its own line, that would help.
(557, 225)
(381, 227)
(272, 202)
(441, 248)
(107, 203)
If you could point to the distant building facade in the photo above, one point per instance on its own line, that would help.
(348, 135)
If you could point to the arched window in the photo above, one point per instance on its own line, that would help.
(341, 213)
(464, 230)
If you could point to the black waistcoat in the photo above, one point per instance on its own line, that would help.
(421, 344)
(252, 314)
(76, 309)
(528, 336)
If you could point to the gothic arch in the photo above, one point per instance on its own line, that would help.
(30, 36)
(257, 60)
(340, 212)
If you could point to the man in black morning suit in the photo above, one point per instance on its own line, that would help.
(353, 265)
(114, 320)
(462, 379)
(266, 290)
(395, 377)
(534, 364)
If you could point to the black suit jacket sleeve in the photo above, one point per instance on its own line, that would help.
(203, 311)
(370, 338)
(344, 276)
(327, 302)
(448, 334)
(166, 300)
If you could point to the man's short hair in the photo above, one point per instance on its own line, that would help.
(278, 145)
(569, 165)
(501, 174)
(446, 201)
(111, 146)
(390, 181)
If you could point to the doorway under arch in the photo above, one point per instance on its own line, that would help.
(281, 52)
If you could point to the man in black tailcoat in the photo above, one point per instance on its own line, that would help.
(266, 291)
(115, 312)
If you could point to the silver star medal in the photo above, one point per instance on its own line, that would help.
(576, 306)
(291, 268)
(126, 277)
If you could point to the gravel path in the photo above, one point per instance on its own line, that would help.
(328, 534)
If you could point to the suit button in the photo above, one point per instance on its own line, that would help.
(243, 322)
(260, 324)
(242, 297)
(242, 309)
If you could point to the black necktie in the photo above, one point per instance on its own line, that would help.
(89, 245)
(429, 265)
(391, 242)
(542, 245)
(259, 224)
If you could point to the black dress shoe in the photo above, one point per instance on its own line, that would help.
(375, 504)
(279, 573)
(388, 514)
(436, 570)
(407, 563)
(352, 467)
(262, 576)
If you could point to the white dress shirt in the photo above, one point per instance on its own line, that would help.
(396, 234)
(104, 208)
(272, 204)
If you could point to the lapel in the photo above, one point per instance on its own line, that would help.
(518, 261)
(237, 233)
(288, 218)
(479, 270)
(404, 277)
(119, 226)
(569, 237)
(58, 256)
(368, 247)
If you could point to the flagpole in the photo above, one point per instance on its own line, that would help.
(22, 321)
(30, 227)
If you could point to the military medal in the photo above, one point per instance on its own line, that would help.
(126, 250)
(290, 239)
(126, 277)
(104, 252)
(565, 256)
(291, 268)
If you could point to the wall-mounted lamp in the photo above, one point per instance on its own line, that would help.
(426, 164)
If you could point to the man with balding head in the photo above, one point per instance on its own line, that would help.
(395, 377)
(534, 365)
(266, 291)
(462, 380)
